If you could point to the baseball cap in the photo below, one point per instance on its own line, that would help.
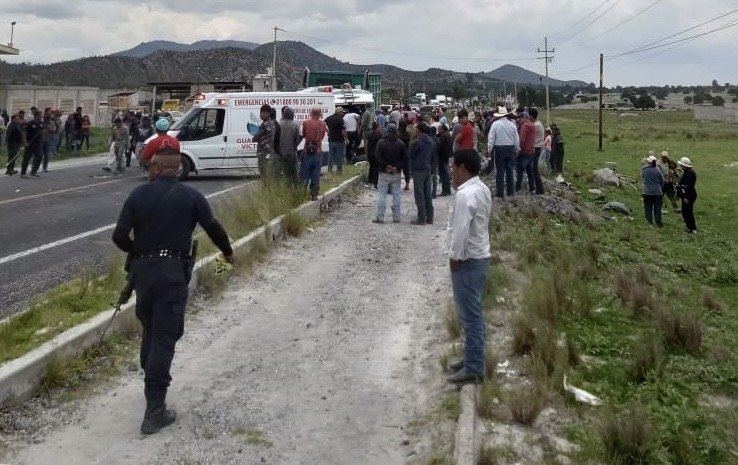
(162, 124)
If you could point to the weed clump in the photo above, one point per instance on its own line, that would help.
(453, 327)
(681, 330)
(634, 290)
(527, 403)
(524, 335)
(627, 438)
(711, 303)
(647, 358)
(487, 455)
(490, 363)
(487, 400)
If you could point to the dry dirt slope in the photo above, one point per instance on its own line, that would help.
(322, 356)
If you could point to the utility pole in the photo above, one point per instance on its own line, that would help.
(548, 58)
(274, 61)
(602, 64)
(198, 78)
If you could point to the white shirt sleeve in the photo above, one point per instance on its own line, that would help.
(491, 138)
(516, 138)
(460, 223)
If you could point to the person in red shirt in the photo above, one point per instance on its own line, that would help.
(465, 138)
(162, 140)
(313, 131)
(527, 154)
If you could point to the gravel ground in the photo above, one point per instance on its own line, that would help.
(323, 355)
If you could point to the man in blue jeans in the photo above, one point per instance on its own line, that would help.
(468, 253)
(391, 156)
(313, 131)
(504, 142)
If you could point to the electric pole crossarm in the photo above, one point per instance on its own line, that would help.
(548, 57)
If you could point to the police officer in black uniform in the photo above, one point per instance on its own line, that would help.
(33, 142)
(162, 215)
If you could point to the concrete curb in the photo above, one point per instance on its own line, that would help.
(465, 447)
(19, 378)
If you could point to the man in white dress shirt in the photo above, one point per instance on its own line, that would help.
(468, 253)
(504, 140)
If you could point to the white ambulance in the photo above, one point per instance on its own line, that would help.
(217, 132)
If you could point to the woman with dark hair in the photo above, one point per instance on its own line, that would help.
(687, 192)
(557, 150)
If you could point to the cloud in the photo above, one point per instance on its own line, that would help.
(473, 35)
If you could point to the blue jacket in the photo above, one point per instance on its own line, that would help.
(421, 154)
(653, 180)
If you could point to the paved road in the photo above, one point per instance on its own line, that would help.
(51, 227)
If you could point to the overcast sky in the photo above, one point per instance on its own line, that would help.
(468, 35)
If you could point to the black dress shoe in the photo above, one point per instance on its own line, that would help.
(456, 366)
(464, 376)
(417, 222)
(428, 221)
(157, 419)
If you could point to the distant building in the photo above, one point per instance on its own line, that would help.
(22, 97)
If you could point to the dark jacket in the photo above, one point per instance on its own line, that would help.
(371, 141)
(420, 154)
(14, 134)
(445, 147)
(391, 151)
(687, 184)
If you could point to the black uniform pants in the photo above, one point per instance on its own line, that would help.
(161, 298)
(33, 152)
(13, 150)
(688, 215)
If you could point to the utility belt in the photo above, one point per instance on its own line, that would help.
(164, 253)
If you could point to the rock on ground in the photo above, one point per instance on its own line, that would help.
(323, 355)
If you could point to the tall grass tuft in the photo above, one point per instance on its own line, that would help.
(627, 438)
(527, 403)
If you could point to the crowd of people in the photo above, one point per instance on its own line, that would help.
(662, 177)
(42, 134)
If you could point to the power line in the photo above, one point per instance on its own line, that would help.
(583, 28)
(653, 46)
(691, 28)
(627, 20)
(412, 54)
(589, 15)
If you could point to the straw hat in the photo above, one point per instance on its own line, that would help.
(686, 162)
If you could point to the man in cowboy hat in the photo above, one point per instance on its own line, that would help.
(687, 192)
(504, 142)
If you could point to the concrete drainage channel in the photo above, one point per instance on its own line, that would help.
(20, 378)
(466, 447)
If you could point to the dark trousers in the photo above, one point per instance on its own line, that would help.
(688, 214)
(310, 172)
(13, 150)
(557, 162)
(161, 298)
(652, 207)
(354, 141)
(373, 169)
(504, 161)
(434, 181)
(537, 180)
(444, 177)
(289, 168)
(422, 186)
(670, 194)
(33, 152)
(524, 164)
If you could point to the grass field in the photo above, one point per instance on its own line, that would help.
(650, 315)
(99, 143)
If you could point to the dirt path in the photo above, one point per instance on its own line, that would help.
(322, 356)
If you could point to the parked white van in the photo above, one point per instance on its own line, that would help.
(217, 132)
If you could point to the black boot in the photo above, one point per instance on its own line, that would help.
(157, 419)
(157, 416)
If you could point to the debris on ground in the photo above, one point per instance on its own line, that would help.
(619, 207)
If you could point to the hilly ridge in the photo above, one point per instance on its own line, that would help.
(170, 61)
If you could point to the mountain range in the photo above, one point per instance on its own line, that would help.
(221, 61)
